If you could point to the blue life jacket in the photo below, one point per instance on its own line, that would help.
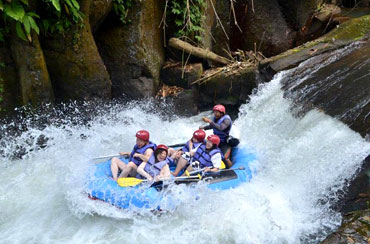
(153, 168)
(186, 147)
(204, 157)
(225, 133)
(141, 150)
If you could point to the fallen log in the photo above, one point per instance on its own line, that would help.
(197, 51)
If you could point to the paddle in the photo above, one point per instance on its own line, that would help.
(132, 181)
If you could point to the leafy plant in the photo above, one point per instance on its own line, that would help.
(188, 16)
(121, 8)
(57, 16)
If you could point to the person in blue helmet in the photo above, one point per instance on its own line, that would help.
(221, 125)
(141, 152)
(156, 168)
(190, 147)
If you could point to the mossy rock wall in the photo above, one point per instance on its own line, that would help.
(10, 96)
(75, 66)
(32, 72)
(134, 51)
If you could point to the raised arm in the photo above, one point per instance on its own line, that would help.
(145, 157)
(142, 172)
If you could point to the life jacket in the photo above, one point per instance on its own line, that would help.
(204, 157)
(186, 147)
(141, 150)
(225, 133)
(153, 168)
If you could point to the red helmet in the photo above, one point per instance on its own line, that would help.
(214, 139)
(162, 146)
(143, 135)
(219, 108)
(199, 135)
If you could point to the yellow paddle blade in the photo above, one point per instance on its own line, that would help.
(223, 166)
(129, 181)
(187, 173)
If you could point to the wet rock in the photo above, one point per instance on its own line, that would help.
(133, 52)
(343, 94)
(358, 192)
(98, 12)
(75, 66)
(346, 33)
(267, 29)
(229, 87)
(33, 75)
(173, 74)
(355, 229)
(185, 103)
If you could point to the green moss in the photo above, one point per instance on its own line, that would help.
(351, 30)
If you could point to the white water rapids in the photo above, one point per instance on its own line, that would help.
(302, 163)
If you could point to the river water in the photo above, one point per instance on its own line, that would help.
(302, 165)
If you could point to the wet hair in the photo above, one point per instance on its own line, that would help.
(159, 151)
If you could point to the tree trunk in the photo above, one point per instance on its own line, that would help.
(196, 51)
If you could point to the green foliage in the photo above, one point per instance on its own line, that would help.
(121, 8)
(187, 16)
(56, 16)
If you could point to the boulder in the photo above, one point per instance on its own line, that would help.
(266, 28)
(174, 74)
(184, 103)
(299, 12)
(228, 86)
(133, 51)
(75, 66)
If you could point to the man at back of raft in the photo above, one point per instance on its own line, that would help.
(140, 153)
(221, 125)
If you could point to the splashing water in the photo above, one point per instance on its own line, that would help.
(302, 163)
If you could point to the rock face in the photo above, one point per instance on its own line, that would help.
(9, 89)
(134, 52)
(343, 94)
(355, 229)
(266, 26)
(173, 74)
(75, 66)
(33, 75)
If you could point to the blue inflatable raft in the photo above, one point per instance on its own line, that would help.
(101, 186)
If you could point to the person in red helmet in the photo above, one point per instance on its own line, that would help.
(191, 146)
(221, 125)
(141, 152)
(208, 156)
(156, 168)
